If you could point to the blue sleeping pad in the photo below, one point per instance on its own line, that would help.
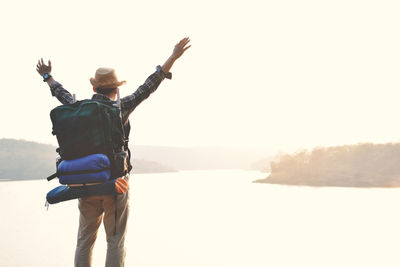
(94, 168)
(63, 193)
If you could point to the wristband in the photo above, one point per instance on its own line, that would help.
(167, 75)
(46, 76)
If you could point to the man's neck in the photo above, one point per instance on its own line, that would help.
(111, 97)
(101, 97)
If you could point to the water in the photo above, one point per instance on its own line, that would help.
(212, 218)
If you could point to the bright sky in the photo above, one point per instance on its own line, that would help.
(277, 74)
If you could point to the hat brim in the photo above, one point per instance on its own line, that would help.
(106, 85)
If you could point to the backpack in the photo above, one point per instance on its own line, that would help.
(88, 128)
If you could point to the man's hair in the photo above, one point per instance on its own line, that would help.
(105, 91)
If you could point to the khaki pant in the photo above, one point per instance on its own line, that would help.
(92, 210)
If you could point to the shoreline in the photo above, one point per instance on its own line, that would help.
(319, 185)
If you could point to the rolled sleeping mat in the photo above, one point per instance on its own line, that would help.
(63, 193)
(94, 168)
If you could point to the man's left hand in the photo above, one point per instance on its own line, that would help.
(43, 68)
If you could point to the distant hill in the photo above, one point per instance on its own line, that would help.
(21, 159)
(362, 165)
(26, 160)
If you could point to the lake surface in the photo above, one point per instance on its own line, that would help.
(212, 218)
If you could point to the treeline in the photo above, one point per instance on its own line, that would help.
(23, 160)
(362, 165)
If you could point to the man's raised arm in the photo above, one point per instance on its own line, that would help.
(56, 88)
(130, 102)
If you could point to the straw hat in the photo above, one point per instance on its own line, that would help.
(105, 78)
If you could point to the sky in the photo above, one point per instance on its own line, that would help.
(279, 75)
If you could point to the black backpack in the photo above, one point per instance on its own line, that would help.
(89, 127)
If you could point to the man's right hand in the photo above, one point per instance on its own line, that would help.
(43, 68)
(180, 48)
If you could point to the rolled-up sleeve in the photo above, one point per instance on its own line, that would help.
(130, 102)
(60, 93)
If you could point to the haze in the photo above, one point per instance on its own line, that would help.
(273, 74)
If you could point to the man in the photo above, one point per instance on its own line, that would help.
(113, 211)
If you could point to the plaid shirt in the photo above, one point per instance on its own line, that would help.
(128, 103)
